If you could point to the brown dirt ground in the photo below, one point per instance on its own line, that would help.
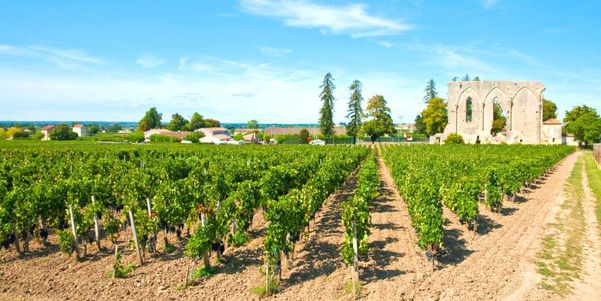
(488, 264)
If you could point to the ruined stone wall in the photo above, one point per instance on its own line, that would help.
(521, 103)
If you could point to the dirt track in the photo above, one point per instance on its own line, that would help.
(490, 264)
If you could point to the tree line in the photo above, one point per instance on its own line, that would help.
(374, 122)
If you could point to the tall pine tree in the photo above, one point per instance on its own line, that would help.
(326, 122)
(430, 91)
(355, 112)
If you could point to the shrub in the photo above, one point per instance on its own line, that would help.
(454, 139)
(162, 138)
(135, 137)
(194, 137)
(62, 132)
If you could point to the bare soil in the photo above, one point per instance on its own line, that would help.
(488, 264)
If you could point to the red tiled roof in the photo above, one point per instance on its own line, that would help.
(552, 121)
(48, 128)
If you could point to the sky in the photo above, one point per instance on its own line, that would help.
(265, 59)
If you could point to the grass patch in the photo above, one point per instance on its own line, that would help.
(265, 291)
(353, 288)
(205, 271)
(560, 260)
(169, 248)
(594, 181)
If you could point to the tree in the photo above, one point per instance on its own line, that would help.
(151, 120)
(211, 123)
(499, 121)
(196, 122)
(304, 136)
(549, 110)
(62, 132)
(434, 116)
(115, 127)
(2, 134)
(239, 137)
(252, 124)
(586, 126)
(355, 112)
(93, 129)
(13, 132)
(420, 127)
(177, 123)
(466, 77)
(430, 91)
(380, 122)
(476, 79)
(326, 122)
(576, 112)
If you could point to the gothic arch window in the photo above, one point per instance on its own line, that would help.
(469, 108)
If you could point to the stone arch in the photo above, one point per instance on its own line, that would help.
(460, 106)
(525, 114)
(469, 109)
(488, 107)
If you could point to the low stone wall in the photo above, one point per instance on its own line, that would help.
(597, 153)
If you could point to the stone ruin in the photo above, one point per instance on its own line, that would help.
(470, 113)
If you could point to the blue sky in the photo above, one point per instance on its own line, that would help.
(265, 59)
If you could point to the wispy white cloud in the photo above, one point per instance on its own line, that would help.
(274, 52)
(62, 58)
(489, 3)
(352, 19)
(385, 44)
(150, 61)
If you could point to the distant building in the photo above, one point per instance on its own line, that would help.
(276, 131)
(214, 131)
(46, 130)
(552, 131)
(165, 132)
(245, 131)
(81, 130)
(215, 139)
(406, 127)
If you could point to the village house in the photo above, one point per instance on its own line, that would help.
(81, 130)
(313, 131)
(214, 131)
(46, 130)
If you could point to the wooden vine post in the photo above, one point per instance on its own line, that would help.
(355, 278)
(96, 227)
(74, 231)
(133, 230)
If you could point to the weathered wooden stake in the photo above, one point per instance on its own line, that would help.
(17, 241)
(133, 230)
(96, 227)
(74, 231)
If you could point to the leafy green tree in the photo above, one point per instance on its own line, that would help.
(430, 91)
(93, 129)
(177, 123)
(252, 124)
(196, 122)
(151, 120)
(304, 136)
(466, 77)
(13, 132)
(476, 79)
(549, 110)
(380, 122)
(420, 127)
(2, 134)
(62, 132)
(499, 121)
(355, 112)
(576, 112)
(115, 127)
(211, 123)
(434, 116)
(326, 122)
(587, 125)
